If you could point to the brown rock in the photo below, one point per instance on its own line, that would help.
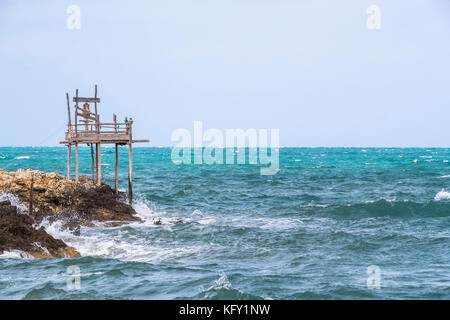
(76, 203)
(17, 233)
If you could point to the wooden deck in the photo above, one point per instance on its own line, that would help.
(106, 133)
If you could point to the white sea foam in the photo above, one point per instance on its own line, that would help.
(221, 283)
(15, 254)
(122, 244)
(15, 201)
(207, 221)
(446, 176)
(275, 223)
(442, 195)
(22, 157)
(39, 246)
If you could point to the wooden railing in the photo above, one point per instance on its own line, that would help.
(83, 130)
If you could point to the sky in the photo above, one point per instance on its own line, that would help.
(310, 68)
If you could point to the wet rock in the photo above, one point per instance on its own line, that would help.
(74, 203)
(17, 233)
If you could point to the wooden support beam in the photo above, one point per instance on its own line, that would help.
(85, 116)
(84, 99)
(116, 178)
(130, 172)
(76, 162)
(69, 149)
(99, 170)
(92, 161)
(95, 101)
(96, 162)
(68, 111)
(97, 123)
(141, 141)
(76, 119)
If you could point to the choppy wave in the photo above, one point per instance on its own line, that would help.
(308, 232)
(223, 290)
(442, 195)
(15, 254)
(123, 243)
(22, 157)
(397, 208)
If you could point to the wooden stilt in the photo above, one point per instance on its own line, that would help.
(99, 172)
(76, 162)
(69, 149)
(130, 171)
(116, 179)
(96, 162)
(92, 160)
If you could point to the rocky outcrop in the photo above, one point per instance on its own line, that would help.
(55, 198)
(75, 203)
(17, 233)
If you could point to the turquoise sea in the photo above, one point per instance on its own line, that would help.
(309, 232)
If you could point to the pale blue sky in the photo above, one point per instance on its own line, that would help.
(310, 68)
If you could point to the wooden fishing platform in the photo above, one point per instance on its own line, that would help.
(87, 129)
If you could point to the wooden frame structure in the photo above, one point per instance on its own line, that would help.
(87, 129)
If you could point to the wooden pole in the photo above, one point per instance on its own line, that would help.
(96, 162)
(30, 208)
(92, 161)
(116, 179)
(130, 171)
(69, 149)
(99, 172)
(68, 112)
(76, 117)
(76, 162)
(95, 103)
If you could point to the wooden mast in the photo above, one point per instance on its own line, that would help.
(69, 131)
(76, 115)
(68, 113)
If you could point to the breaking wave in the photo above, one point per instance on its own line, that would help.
(442, 195)
(223, 290)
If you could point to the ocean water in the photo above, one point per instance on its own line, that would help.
(309, 232)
